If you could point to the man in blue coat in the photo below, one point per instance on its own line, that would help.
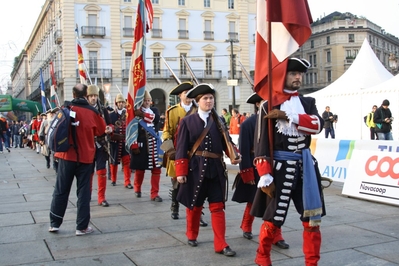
(200, 169)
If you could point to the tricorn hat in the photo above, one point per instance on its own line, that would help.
(43, 114)
(184, 86)
(92, 89)
(254, 98)
(297, 64)
(203, 88)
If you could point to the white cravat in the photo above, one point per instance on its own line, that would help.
(204, 116)
(186, 107)
(292, 108)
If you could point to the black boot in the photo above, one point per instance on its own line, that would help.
(174, 207)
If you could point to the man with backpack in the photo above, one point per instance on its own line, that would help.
(77, 161)
(370, 123)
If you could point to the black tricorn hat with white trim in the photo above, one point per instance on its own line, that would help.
(254, 98)
(184, 86)
(203, 88)
(298, 64)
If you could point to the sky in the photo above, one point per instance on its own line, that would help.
(19, 17)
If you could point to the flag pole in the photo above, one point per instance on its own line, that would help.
(270, 87)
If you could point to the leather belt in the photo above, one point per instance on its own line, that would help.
(208, 154)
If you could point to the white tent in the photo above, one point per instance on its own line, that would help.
(375, 95)
(344, 95)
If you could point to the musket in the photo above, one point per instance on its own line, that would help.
(175, 77)
(247, 76)
(233, 154)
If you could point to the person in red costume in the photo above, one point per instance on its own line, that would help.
(118, 140)
(200, 169)
(145, 151)
(294, 173)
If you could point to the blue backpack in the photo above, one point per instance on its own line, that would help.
(59, 129)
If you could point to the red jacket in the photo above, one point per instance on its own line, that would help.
(235, 124)
(91, 124)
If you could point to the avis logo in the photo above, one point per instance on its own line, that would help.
(345, 150)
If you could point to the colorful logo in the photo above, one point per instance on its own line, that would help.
(345, 150)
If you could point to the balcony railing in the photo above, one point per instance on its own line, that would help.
(93, 31)
(153, 74)
(156, 33)
(183, 34)
(97, 73)
(208, 35)
(237, 74)
(233, 36)
(128, 32)
(58, 36)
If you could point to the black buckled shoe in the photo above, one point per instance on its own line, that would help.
(138, 194)
(247, 235)
(129, 186)
(175, 215)
(192, 243)
(228, 252)
(157, 199)
(282, 244)
(203, 223)
(104, 204)
(113, 183)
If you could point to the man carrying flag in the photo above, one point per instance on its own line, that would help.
(283, 131)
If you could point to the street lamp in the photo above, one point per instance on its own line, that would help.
(232, 68)
(393, 62)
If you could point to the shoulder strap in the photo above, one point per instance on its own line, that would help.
(201, 137)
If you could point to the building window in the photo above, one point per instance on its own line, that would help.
(155, 1)
(351, 37)
(157, 63)
(183, 33)
(182, 2)
(208, 64)
(208, 33)
(230, 4)
(370, 40)
(348, 54)
(328, 57)
(314, 61)
(328, 40)
(127, 1)
(233, 35)
(156, 28)
(312, 44)
(207, 3)
(93, 62)
(315, 78)
(128, 59)
(310, 58)
(328, 75)
(183, 69)
(128, 29)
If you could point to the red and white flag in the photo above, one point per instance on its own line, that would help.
(137, 74)
(81, 66)
(290, 28)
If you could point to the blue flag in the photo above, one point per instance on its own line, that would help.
(44, 102)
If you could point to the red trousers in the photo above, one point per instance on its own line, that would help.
(311, 244)
(126, 170)
(102, 185)
(155, 178)
(218, 224)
